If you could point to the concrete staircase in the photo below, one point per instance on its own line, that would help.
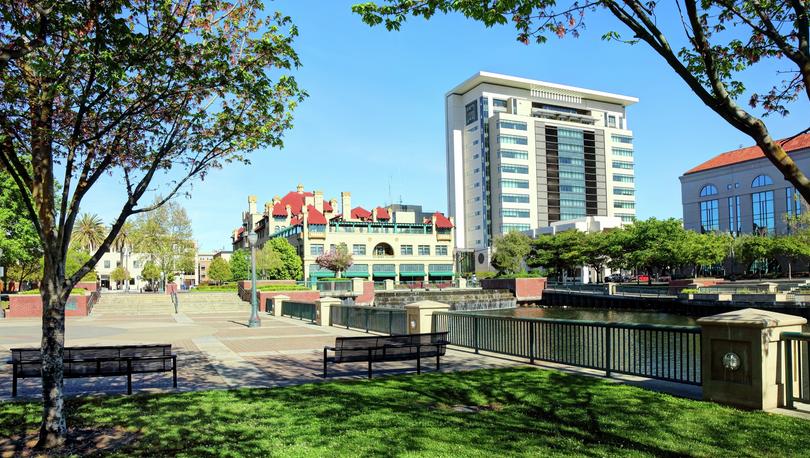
(211, 303)
(133, 304)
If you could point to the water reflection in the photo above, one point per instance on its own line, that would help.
(573, 313)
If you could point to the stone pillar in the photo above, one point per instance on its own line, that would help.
(611, 289)
(462, 282)
(420, 315)
(323, 310)
(357, 285)
(389, 285)
(277, 300)
(742, 357)
(770, 287)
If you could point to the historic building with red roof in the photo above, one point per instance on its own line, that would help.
(387, 242)
(741, 191)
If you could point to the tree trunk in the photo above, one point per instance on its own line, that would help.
(53, 430)
(790, 270)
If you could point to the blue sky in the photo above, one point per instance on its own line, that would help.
(375, 116)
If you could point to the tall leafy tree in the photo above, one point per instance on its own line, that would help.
(165, 236)
(150, 273)
(19, 241)
(563, 251)
(655, 244)
(750, 248)
(793, 247)
(278, 260)
(510, 252)
(240, 265)
(596, 251)
(89, 232)
(219, 270)
(711, 49)
(132, 88)
(698, 250)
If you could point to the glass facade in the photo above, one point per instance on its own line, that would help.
(762, 211)
(506, 228)
(513, 154)
(516, 125)
(626, 217)
(624, 192)
(709, 216)
(623, 204)
(762, 180)
(513, 140)
(621, 139)
(793, 202)
(515, 213)
(708, 190)
(623, 165)
(509, 168)
(517, 184)
(622, 152)
(619, 178)
(515, 198)
(571, 151)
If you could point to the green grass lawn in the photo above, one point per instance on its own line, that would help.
(523, 411)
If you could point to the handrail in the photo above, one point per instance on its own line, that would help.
(613, 324)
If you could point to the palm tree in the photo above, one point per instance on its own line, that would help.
(89, 232)
(126, 238)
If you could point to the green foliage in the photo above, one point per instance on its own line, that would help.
(219, 270)
(749, 248)
(552, 414)
(119, 274)
(150, 272)
(484, 274)
(562, 251)
(509, 252)
(240, 265)
(690, 291)
(76, 291)
(88, 233)
(283, 288)
(19, 240)
(278, 260)
(334, 279)
(75, 260)
(711, 53)
(165, 236)
(704, 249)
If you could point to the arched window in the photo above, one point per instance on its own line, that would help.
(708, 190)
(762, 180)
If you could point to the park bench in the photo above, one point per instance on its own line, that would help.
(107, 361)
(373, 349)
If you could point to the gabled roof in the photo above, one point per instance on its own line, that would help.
(382, 213)
(280, 210)
(360, 213)
(314, 216)
(327, 206)
(295, 221)
(442, 222)
(295, 201)
(749, 154)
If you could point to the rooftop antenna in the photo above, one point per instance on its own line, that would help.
(390, 200)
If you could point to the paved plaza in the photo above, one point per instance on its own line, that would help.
(215, 351)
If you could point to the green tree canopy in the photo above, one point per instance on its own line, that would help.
(510, 252)
(219, 270)
(711, 49)
(240, 265)
(562, 251)
(278, 260)
(703, 249)
(749, 248)
(150, 272)
(119, 274)
(89, 232)
(165, 235)
(19, 240)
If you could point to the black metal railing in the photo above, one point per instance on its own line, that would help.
(300, 310)
(797, 369)
(93, 300)
(378, 319)
(669, 353)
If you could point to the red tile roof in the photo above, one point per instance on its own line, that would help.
(749, 154)
(314, 216)
(360, 213)
(295, 201)
(442, 222)
(382, 213)
(280, 210)
(295, 221)
(327, 206)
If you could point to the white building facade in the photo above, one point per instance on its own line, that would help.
(524, 154)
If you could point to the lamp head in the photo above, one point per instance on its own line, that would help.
(253, 238)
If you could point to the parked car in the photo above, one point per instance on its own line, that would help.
(615, 278)
(641, 278)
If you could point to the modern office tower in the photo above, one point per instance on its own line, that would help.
(522, 154)
(742, 192)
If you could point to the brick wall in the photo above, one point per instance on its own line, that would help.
(300, 296)
(30, 306)
(367, 296)
(524, 289)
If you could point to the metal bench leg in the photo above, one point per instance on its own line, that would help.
(14, 382)
(438, 355)
(418, 359)
(174, 371)
(324, 363)
(369, 364)
(129, 376)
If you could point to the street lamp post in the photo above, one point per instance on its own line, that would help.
(254, 309)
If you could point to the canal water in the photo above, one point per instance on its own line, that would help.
(618, 316)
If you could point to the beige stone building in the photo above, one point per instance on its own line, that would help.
(385, 243)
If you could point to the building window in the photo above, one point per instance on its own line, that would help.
(622, 152)
(572, 175)
(478, 199)
(499, 103)
(316, 249)
(619, 178)
(623, 165)
(626, 217)
(508, 168)
(576, 161)
(359, 249)
(515, 184)
(441, 250)
(623, 204)
(737, 214)
(516, 212)
(137, 264)
(471, 110)
(611, 121)
(515, 198)
(762, 210)
(424, 250)
(506, 228)
(106, 264)
(513, 140)
(624, 192)
(572, 189)
(406, 250)
(622, 139)
(709, 216)
(476, 185)
(708, 190)
(516, 125)
(731, 215)
(513, 154)
(793, 202)
(762, 180)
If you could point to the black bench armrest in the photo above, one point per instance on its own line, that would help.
(327, 347)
